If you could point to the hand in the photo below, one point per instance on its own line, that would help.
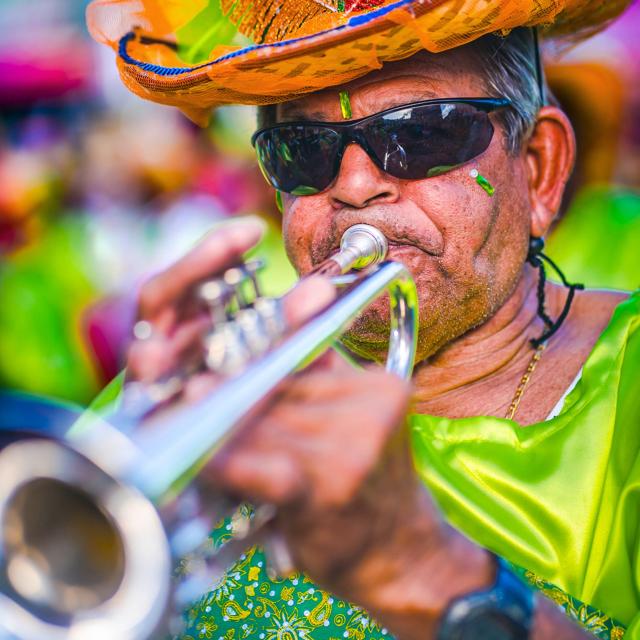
(168, 302)
(329, 449)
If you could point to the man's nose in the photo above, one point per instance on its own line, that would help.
(361, 183)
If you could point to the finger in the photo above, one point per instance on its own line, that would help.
(220, 249)
(199, 385)
(306, 299)
(148, 360)
(258, 476)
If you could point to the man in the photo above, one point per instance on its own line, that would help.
(331, 452)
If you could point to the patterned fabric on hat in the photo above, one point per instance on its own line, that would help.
(188, 54)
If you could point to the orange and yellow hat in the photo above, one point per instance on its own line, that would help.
(190, 54)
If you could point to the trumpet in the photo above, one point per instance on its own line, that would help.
(89, 540)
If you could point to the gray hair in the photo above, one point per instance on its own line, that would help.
(510, 71)
(509, 68)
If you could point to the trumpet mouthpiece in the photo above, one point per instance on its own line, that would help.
(361, 246)
(365, 246)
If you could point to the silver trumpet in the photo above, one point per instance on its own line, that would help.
(93, 527)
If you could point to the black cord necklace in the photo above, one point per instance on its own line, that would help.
(537, 258)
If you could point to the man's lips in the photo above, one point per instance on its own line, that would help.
(403, 224)
(396, 247)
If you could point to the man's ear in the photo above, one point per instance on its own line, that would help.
(550, 155)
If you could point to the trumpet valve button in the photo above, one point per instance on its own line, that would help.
(271, 312)
(237, 279)
(226, 351)
(217, 295)
(253, 330)
(252, 268)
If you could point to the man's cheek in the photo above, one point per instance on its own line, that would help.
(306, 222)
(294, 241)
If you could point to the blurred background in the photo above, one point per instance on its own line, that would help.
(99, 189)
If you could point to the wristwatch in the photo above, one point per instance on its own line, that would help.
(502, 612)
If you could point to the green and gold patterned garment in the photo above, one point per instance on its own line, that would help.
(561, 498)
(248, 604)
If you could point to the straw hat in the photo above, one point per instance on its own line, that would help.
(182, 52)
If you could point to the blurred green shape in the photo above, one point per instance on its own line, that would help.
(43, 293)
(597, 242)
(209, 28)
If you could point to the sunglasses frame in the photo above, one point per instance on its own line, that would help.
(351, 132)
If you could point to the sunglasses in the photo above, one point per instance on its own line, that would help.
(410, 142)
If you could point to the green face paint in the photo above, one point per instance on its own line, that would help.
(279, 201)
(439, 170)
(303, 190)
(482, 181)
(345, 105)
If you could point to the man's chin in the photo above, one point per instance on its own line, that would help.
(368, 336)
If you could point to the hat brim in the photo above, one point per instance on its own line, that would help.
(280, 71)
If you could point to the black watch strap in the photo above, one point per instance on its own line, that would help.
(502, 612)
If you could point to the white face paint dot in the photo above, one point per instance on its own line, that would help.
(272, 593)
(261, 636)
(326, 623)
(250, 605)
(225, 618)
(244, 626)
(384, 632)
(349, 612)
(208, 609)
(474, 173)
(267, 614)
(259, 564)
(294, 582)
(232, 597)
(306, 613)
(290, 603)
(312, 590)
(346, 634)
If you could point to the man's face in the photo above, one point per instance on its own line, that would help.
(464, 248)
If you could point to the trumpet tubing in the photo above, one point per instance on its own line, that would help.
(88, 539)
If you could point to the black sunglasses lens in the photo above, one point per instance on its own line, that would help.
(301, 160)
(425, 141)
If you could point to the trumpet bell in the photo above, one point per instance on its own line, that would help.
(82, 555)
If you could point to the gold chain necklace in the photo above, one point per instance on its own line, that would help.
(515, 403)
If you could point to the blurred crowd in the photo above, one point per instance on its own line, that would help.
(98, 190)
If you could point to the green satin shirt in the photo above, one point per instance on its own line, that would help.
(559, 499)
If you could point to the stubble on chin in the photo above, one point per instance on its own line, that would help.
(448, 310)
